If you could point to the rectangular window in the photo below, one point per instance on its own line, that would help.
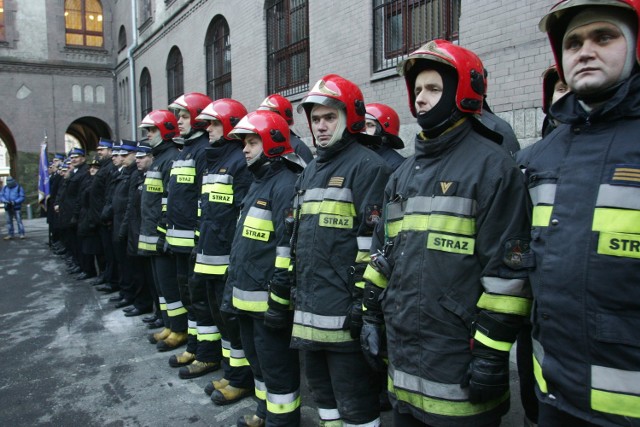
(288, 46)
(3, 36)
(402, 26)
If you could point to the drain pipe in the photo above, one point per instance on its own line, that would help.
(132, 70)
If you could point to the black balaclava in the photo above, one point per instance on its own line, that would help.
(445, 113)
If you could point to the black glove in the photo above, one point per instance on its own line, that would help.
(354, 319)
(160, 245)
(278, 315)
(372, 338)
(487, 376)
(353, 322)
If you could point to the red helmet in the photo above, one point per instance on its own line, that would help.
(555, 22)
(164, 120)
(471, 75)
(386, 116)
(279, 104)
(194, 103)
(337, 92)
(270, 127)
(227, 111)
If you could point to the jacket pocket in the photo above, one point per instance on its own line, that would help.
(616, 329)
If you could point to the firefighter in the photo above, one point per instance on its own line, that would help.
(259, 268)
(583, 180)
(339, 202)
(182, 211)
(449, 260)
(161, 127)
(383, 121)
(224, 187)
(281, 105)
(553, 88)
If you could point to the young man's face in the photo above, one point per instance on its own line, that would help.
(117, 160)
(370, 126)
(215, 129)
(143, 163)
(184, 122)
(560, 89)
(152, 133)
(593, 57)
(252, 147)
(324, 121)
(128, 158)
(427, 90)
(77, 160)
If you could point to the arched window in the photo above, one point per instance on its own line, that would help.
(100, 95)
(3, 35)
(122, 39)
(83, 23)
(145, 93)
(88, 94)
(287, 46)
(218, 57)
(175, 74)
(76, 93)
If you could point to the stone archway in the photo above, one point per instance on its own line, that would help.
(88, 131)
(10, 144)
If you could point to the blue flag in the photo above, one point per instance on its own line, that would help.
(43, 176)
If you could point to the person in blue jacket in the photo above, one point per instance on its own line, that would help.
(12, 195)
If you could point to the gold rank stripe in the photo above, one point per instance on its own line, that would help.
(336, 181)
(626, 174)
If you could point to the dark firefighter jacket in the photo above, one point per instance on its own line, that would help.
(340, 198)
(457, 215)
(584, 181)
(153, 201)
(184, 190)
(120, 201)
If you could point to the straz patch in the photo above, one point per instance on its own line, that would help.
(518, 254)
(619, 244)
(252, 233)
(335, 221)
(372, 215)
(336, 181)
(262, 204)
(626, 174)
(221, 198)
(151, 188)
(446, 188)
(449, 243)
(185, 179)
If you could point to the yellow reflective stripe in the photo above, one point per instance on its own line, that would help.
(282, 408)
(161, 229)
(197, 233)
(176, 311)
(363, 257)
(254, 306)
(537, 373)
(619, 244)
(209, 337)
(184, 170)
(328, 207)
(283, 262)
(505, 304)
(226, 352)
(278, 299)
(616, 220)
(393, 228)
(451, 244)
(164, 208)
(433, 222)
(373, 276)
(497, 345)
(146, 246)
(180, 241)
(237, 362)
(258, 223)
(541, 216)
(444, 407)
(311, 334)
(261, 394)
(626, 405)
(210, 269)
(221, 188)
(192, 330)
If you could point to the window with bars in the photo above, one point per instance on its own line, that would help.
(175, 75)
(3, 35)
(218, 57)
(402, 26)
(145, 93)
(287, 46)
(83, 23)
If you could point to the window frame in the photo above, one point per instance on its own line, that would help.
(3, 25)
(146, 98)
(217, 48)
(175, 74)
(283, 50)
(83, 31)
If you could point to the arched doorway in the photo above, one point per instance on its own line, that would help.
(88, 131)
(7, 151)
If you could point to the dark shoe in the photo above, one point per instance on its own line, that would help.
(159, 323)
(74, 270)
(150, 319)
(216, 385)
(128, 309)
(97, 281)
(173, 341)
(159, 336)
(136, 312)
(230, 394)
(107, 289)
(250, 421)
(125, 302)
(84, 276)
(183, 359)
(197, 369)
(116, 298)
